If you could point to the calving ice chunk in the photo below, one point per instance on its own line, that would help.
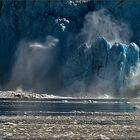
(102, 67)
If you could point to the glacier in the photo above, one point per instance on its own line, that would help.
(103, 66)
(89, 56)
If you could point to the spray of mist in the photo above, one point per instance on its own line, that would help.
(101, 24)
(32, 61)
(133, 86)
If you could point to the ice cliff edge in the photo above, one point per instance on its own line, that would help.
(102, 67)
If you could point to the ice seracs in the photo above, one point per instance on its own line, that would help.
(102, 66)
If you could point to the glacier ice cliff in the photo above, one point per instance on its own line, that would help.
(81, 59)
(102, 67)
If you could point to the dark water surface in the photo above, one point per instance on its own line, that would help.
(67, 106)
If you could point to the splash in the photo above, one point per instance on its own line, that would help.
(133, 87)
(33, 61)
(101, 24)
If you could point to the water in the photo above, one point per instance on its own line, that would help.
(73, 106)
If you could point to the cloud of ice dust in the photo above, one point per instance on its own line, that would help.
(80, 89)
(101, 24)
(101, 89)
(133, 83)
(32, 62)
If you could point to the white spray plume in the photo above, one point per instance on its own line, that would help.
(133, 87)
(101, 24)
(33, 60)
(50, 42)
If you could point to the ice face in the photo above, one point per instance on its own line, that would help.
(132, 55)
(116, 65)
(106, 66)
(99, 51)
